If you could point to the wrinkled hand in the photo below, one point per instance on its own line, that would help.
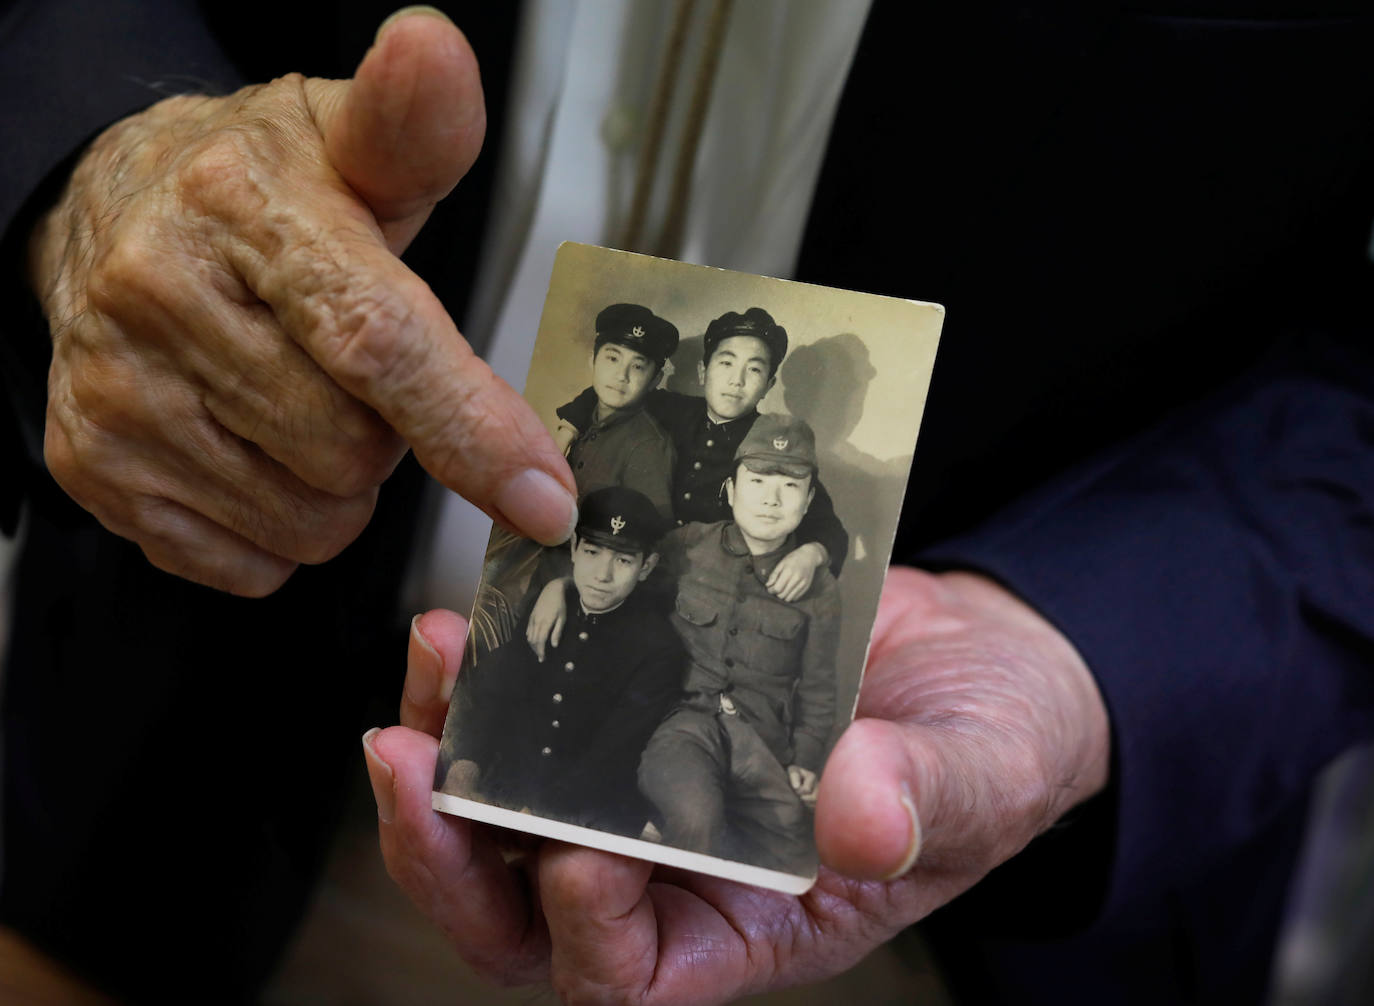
(547, 618)
(978, 727)
(239, 357)
(791, 577)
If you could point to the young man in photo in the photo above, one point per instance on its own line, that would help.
(733, 767)
(619, 443)
(562, 738)
(741, 354)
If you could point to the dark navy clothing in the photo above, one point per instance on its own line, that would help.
(1152, 416)
(563, 738)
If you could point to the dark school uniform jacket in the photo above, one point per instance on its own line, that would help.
(563, 737)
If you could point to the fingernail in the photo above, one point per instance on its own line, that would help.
(406, 12)
(537, 503)
(914, 849)
(382, 778)
(425, 673)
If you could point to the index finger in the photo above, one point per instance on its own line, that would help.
(380, 332)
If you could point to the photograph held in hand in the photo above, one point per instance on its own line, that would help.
(667, 685)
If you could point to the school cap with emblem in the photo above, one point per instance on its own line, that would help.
(619, 518)
(755, 322)
(778, 443)
(637, 328)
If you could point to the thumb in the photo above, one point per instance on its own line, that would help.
(867, 824)
(407, 127)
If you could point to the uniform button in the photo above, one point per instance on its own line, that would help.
(679, 523)
(729, 662)
(696, 465)
(568, 666)
(554, 724)
(581, 465)
(734, 630)
(686, 496)
(710, 443)
(582, 636)
(592, 437)
(546, 751)
(558, 696)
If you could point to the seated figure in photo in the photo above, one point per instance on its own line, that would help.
(734, 765)
(618, 442)
(562, 738)
(740, 354)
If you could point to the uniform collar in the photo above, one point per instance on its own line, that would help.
(741, 423)
(732, 540)
(581, 614)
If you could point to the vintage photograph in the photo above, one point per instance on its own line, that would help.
(669, 683)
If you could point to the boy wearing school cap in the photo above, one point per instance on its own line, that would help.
(621, 444)
(740, 356)
(562, 737)
(733, 767)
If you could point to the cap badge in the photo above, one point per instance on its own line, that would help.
(637, 332)
(779, 443)
(617, 525)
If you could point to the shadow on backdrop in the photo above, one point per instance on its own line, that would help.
(826, 383)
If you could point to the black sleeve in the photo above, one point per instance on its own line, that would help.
(1217, 576)
(68, 69)
(580, 410)
(822, 525)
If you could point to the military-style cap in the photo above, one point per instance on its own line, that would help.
(637, 328)
(756, 322)
(619, 518)
(778, 443)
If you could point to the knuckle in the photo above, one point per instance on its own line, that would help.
(60, 455)
(76, 451)
(217, 177)
(103, 401)
(374, 335)
(259, 580)
(307, 530)
(334, 529)
(126, 272)
(361, 462)
(179, 543)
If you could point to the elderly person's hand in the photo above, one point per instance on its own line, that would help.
(239, 357)
(979, 726)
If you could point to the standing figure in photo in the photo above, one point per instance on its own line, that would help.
(740, 357)
(734, 767)
(620, 443)
(562, 738)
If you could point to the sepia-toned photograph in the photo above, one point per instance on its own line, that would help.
(669, 683)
